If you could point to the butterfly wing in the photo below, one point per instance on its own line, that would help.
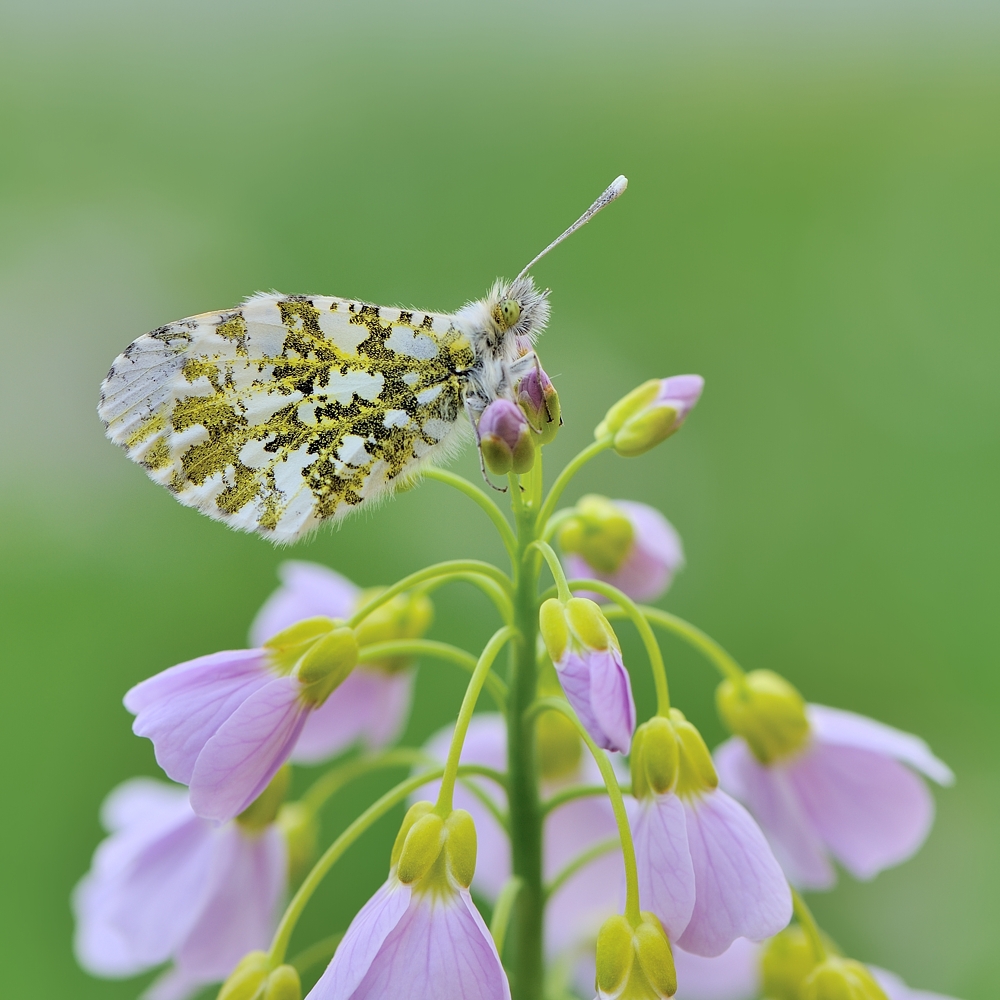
(289, 410)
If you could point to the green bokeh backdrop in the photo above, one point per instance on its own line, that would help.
(812, 223)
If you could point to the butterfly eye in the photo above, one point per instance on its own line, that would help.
(511, 311)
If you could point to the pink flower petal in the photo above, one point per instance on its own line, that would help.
(142, 802)
(611, 700)
(666, 874)
(247, 751)
(771, 797)
(833, 725)
(439, 950)
(733, 975)
(896, 989)
(740, 890)
(871, 811)
(174, 984)
(370, 707)
(249, 875)
(368, 931)
(181, 709)
(307, 590)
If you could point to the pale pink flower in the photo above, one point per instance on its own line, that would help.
(733, 975)
(598, 687)
(579, 907)
(422, 945)
(167, 885)
(370, 707)
(648, 568)
(896, 989)
(849, 794)
(707, 872)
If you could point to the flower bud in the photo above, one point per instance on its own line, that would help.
(406, 616)
(787, 960)
(300, 827)
(539, 400)
(246, 980)
(289, 645)
(634, 964)
(327, 664)
(766, 711)
(841, 979)
(558, 745)
(655, 758)
(283, 984)
(429, 849)
(600, 532)
(695, 772)
(262, 811)
(650, 413)
(505, 439)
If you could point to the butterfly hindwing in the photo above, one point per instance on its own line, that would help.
(289, 410)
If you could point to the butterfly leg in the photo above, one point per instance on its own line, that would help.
(470, 413)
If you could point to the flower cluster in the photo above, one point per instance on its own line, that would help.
(616, 857)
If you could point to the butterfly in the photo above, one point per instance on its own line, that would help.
(291, 410)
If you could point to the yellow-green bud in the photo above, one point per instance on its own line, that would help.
(634, 963)
(558, 745)
(579, 621)
(649, 413)
(421, 848)
(327, 664)
(246, 980)
(787, 960)
(460, 846)
(628, 406)
(695, 772)
(301, 829)
(283, 984)
(289, 645)
(263, 810)
(767, 712)
(599, 532)
(406, 616)
(841, 979)
(655, 758)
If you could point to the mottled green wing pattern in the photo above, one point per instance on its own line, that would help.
(289, 410)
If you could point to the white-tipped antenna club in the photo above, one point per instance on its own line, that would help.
(615, 188)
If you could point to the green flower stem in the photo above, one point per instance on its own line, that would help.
(490, 588)
(488, 804)
(392, 798)
(635, 613)
(555, 568)
(475, 494)
(614, 794)
(476, 682)
(321, 951)
(441, 651)
(443, 569)
(694, 636)
(564, 477)
(576, 792)
(804, 916)
(556, 521)
(580, 861)
(502, 911)
(336, 778)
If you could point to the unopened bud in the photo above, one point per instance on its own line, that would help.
(557, 744)
(634, 963)
(766, 711)
(841, 979)
(650, 413)
(600, 532)
(696, 772)
(505, 439)
(262, 811)
(655, 758)
(788, 959)
(327, 664)
(421, 848)
(540, 402)
(283, 984)
(246, 980)
(406, 616)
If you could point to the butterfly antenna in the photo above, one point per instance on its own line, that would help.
(616, 187)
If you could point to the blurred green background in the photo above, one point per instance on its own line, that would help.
(812, 223)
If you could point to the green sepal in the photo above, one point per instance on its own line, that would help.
(246, 980)
(615, 954)
(553, 628)
(288, 646)
(655, 957)
(262, 811)
(645, 431)
(767, 711)
(461, 846)
(629, 405)
(283, 984)
(841, 979)
(695, 772)
(655, 758)
(327, 664)
(415, 812)
(788, 959)
(421, 848)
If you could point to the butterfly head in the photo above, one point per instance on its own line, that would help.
(518, 312)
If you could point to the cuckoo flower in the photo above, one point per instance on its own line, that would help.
(634, 963)
(650, 413)
(630, 545)
(705, 868)
(420, 936)
(824, 783)
(167, 885)
(577, 909)
(371, 705)
(585, 652)
(225, 723)
(539, 400)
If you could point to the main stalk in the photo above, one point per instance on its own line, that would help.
(526, 966)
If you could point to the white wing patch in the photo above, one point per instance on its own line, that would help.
(289, 410)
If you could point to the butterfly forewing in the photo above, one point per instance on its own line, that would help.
(289, 410)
